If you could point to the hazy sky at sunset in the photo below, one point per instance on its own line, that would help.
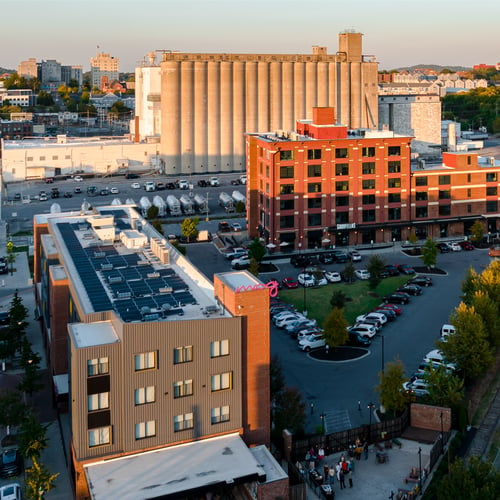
(397, 32)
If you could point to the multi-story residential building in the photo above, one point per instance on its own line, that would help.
(69, 73)
(15, 129)
(325, 185)
(168, 374)
(23, 98)
(28, 69)
(104, 69)
(208, 101)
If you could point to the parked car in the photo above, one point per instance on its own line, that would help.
(236, 253)
(236, 182)
(355, 256)
(284, 321)
(326, 258)
(410, 289)
(214, 181)
(390, 314)
(392, 270)
(364, 330)
(49, 180)
(10, 492)
(68, 194)
(202, 183)
(135, 185)
(224, 227)
(397, 298)
(362, 274)
(306, 280)
(43, 197)
(443, 247)
(289, 283)
(466, 245)
(419, 387)
(78, 178)
(393, 307)
(421, 281)
(160, 186)
(370, 321)
(312, 342)
(358, 340)
(17, 196)
(381, 318)
(299, 260)
(10, 463)
(333, 276)
(183, 184)
(339, 256)
(170, 185)
(455, 247)
(300, 324)
(447, 330)
(104, 192)
(132, 176)
(236, 227)
(436, 357)
(406, 269)
(4, 317)
(240, 262)
(306, 332)
(115, 190)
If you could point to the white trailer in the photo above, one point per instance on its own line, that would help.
(144, 205)
(237, 196)
(201, 204)
(173, 205)
(161, 205)
(226, 202)
(187, 205)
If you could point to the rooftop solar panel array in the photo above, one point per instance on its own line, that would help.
(136, 290)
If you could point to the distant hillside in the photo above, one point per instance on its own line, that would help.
(435, 67)
(5, 70)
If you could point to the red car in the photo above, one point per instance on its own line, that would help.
(289, 283)
(466, 245)
(394, 307)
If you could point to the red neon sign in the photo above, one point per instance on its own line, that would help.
(272, 286)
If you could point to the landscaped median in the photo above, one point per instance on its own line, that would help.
(361, 298)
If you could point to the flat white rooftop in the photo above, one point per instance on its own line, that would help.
(168, 472)
(91, 334)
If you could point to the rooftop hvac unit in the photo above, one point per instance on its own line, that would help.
(106, 267)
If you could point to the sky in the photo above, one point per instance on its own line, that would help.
(398, 32)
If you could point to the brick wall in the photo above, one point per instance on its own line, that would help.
(429, 417)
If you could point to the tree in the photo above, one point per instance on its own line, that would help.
(412, 237)
(375, 267)
(488, 310)
(239, 207)
(335, 328)
(12, 409)
(469, 285)
(189, 227)
(256, 250)
(429, 253)
(445, 389)
(277, 377)
(468, 347)
(17, 326)
(338, 300)
(11, 256)
(289, 411)
(391, 395)
(119, 111)
(152, 212)
(44, 98)
(38, 480)
(349, 272)
(30, 361)
(476, 480)
(33, 439)
(477, 232)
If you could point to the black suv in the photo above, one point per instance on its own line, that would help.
(326, 258)
(132, 176)
(299, 261)
(340, 257)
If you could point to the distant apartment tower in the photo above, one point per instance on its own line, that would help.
(208, 101)
(104, 68)
(69, 73)
(28, 69)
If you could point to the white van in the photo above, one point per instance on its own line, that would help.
(447, 330)
(436, 358)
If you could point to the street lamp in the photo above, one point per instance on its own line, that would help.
(420, 470)
(370, 407)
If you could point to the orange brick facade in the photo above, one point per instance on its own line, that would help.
(324, 185)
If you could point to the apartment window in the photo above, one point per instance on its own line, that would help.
(368, 184)
(394, 150)
(444, 209)
(421, 181)
(67, 157)
(183, 388)
(394, 167)
(267, 187)
(491, 177)
(368, 199)
(219, 348)
(342, 169)
(444, 179)
(469, 160)
(261, 168)
(368, 152)
(145, 361)
(342, 186)
(55, 157)
(468, 178)
(314, 187)
(145, 429)
(394, 213)
(492, 206)
(99, 436)
(286, 173)
(98, 401)
(421, 196)
(342, 218)
(287, 221)
(267, 171)
(97, 366)
(221, 381)
(286, 189)
(144, 395)
(421, 212)
(368, 215)
(29, 158)
(314, 154)
(183, 422)
(491, 191)
(286, 155)
(368, 168)
(394, 183)
(314, 170)
(469, 193)
(314, 220)
(183, 354)
(342, 201)
(314, 203)
(42, 158)
(287, 204)
(469, 209)
(445, 194)
(341, 153)
(220, 414)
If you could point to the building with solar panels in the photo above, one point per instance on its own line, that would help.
(157, 357)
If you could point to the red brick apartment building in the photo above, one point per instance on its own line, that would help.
(326, 185)
(168, 374)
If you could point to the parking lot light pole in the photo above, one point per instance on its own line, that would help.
(305, 304)
(370, 407)
(420, 470)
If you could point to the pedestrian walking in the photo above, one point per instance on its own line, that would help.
(342, 479)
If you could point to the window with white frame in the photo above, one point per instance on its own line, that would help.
(145, 361)
(183, 422)
(98, 401)
(221, 381)
(144, 395)
(183, 388)
(97, 366)
(220, 414)
(145, 429)
(183, 354)
(219, 348)
(99, 436)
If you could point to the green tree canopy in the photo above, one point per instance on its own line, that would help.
(189, 227)
(119, 111)
(477, 233)
(390, 389)
(445, 389)
(429, 253)
(375, 266)
(338, 300)
(257, 250)
(33, 439)
(335, 328)
(44, 99)
(38, 480)
(289, 411)
(349, 272)
(488, 310)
